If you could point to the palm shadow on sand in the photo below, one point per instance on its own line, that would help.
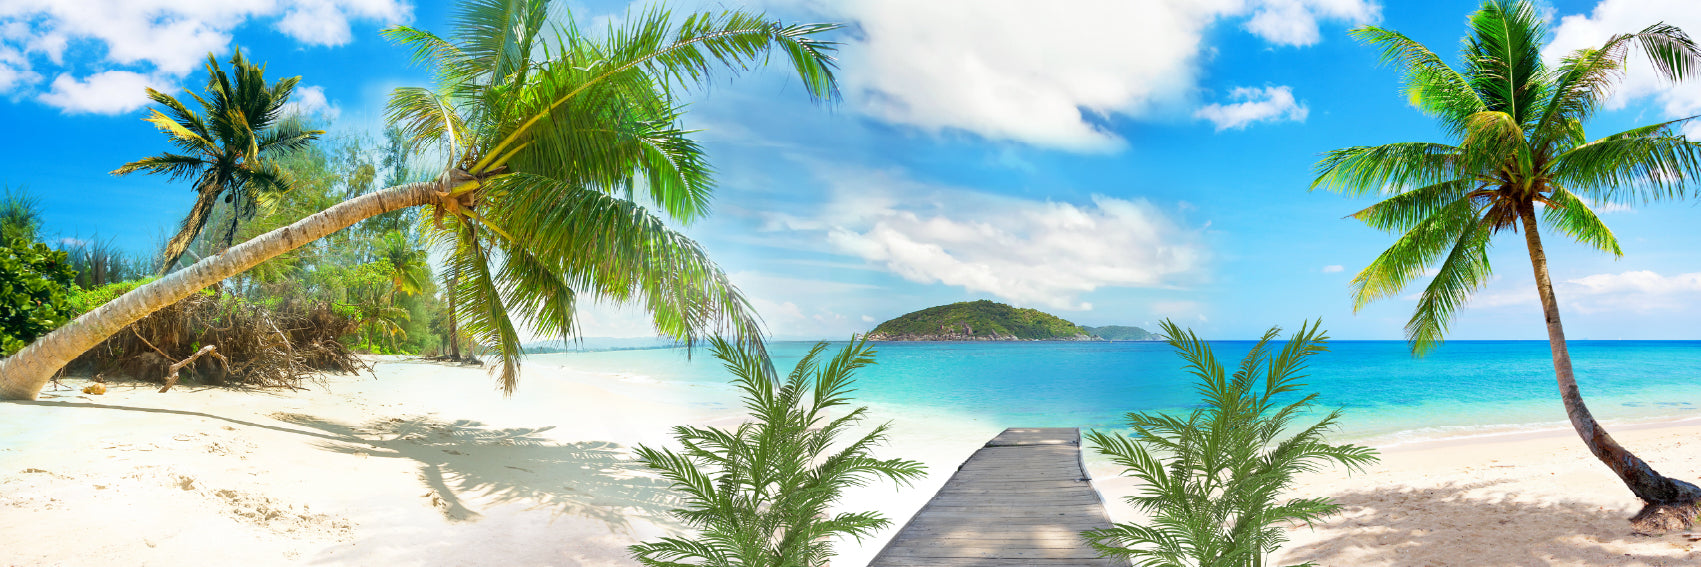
(464, 460)
(1449, 525)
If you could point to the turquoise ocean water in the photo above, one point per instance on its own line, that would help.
(1464, 387)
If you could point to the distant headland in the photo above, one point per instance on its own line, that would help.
(986, 320)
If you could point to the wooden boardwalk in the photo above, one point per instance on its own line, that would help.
(1023, 499)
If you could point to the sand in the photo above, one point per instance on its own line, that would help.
(427, 464)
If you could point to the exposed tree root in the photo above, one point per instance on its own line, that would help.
(256, 345)
(1659, 518)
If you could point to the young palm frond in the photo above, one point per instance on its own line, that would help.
(759, 494)
(1213, 477)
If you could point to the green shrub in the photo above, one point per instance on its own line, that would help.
(85, 300)
(759, 494)
(1212, 476)
(35, 284)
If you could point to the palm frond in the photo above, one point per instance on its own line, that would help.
(1210, 481)
(1361, 170)
(1571, 216)
(1414, 252)
(759, 494)
(1430, 84)
(1465, 270)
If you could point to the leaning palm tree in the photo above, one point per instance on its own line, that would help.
(1520, 161)
(226, 147)
(548, 134)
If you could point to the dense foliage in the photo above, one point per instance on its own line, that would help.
(759, 494)
(1121, 333)
(34, 291)
(982, 319)
(1211, 477)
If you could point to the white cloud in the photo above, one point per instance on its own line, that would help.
(311, 101)
(159, 38)
(1639, 291)
(1025, 251)
(1294, 22)
(867, 319)
(1640, 281)
(1330, 269)
(1035, 73)
(326, 22)
(1268, 104)
(1641, 82)
(107, 92)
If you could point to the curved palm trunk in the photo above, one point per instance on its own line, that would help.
(1670, 503)
(23, 374)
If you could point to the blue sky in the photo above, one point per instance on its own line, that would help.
(1113, 162)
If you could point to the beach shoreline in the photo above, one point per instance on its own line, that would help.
(427, 464)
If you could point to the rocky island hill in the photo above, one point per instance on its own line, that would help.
(991, 321)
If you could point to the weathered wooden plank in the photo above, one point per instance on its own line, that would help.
(991, 562)
(1022, 499)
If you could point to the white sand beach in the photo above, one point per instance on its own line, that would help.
(426, 464)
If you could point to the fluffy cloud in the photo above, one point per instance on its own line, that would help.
(326, 22)
(1268, 104)
(157, 38)
(1028, 252)
(311, 101)
(1611, 17)
(107, 92)
(1638, 291)
(1030, 72)
(1333, 268)
(1294, 22)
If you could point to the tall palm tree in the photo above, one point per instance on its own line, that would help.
(546, 135)
(1520, 162)
(225, 147)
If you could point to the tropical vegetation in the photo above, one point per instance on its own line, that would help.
(1121, 333)
(226, 148)
(35, 281)
(983, 319)
(759, 494)
(1518, 161)
(550, 142)
(1211, 478)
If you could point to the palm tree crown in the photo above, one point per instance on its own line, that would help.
(225, 147)
(1519, 146)
(547, 135)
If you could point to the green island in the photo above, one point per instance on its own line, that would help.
(987, 320)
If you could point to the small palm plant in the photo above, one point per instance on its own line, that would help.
(1212, 477)
(759, 494)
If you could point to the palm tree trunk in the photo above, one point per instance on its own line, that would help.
(454, 316)
(23, 374)
(1670, 503)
